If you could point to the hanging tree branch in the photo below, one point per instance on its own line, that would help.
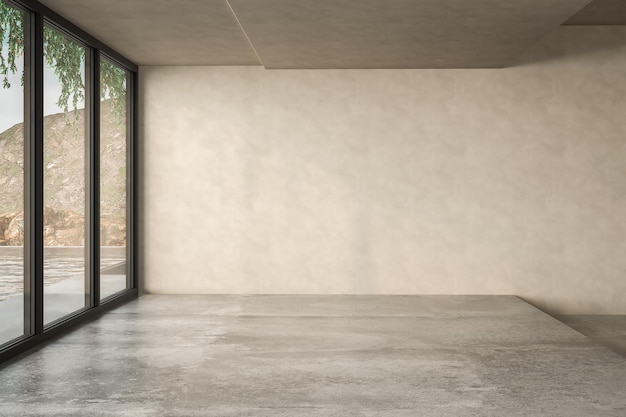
(113, 86)
(65, 56)
(11, 30)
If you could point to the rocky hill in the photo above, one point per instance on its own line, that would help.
(64, 176)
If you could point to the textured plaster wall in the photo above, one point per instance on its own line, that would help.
(393, 181)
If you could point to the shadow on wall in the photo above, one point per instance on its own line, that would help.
(599, 41)
(140, 173)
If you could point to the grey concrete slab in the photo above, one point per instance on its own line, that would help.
(319, 356)
(607, 330)
(322, 33)
(304, 34)
(160, 32)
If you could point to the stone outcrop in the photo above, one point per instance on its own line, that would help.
(64, 173)
(14, 233)
(9, 221)
(64, 162)
(61, 228)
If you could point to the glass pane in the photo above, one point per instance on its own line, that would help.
(65, 173)
(11, 173)
(113, 182)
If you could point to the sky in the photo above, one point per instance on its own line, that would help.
(12, 99)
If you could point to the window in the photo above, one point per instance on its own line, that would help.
(67, 241)
(66, 152)
(114, 133)
(12, 276)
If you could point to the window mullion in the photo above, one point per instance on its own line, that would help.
(93, 97)
(34, 220)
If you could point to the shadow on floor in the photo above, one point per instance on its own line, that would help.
(609, 331)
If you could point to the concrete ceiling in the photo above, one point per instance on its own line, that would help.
(327, 33)
(601, 12)
(397, 33)
(163, 32)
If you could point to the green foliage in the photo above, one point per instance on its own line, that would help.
(113, 86)
(65, 56)
(11, 30)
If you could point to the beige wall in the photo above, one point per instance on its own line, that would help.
(393, 182)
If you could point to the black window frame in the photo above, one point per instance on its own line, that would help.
(36, 16)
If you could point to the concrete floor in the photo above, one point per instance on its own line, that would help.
(319, 356)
